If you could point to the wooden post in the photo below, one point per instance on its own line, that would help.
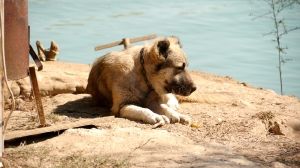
(126, 42)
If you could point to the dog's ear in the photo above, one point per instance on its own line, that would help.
(159, 50)
(176, 40)
(162, 47)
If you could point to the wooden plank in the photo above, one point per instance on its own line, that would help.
(54, 128)
(108, 45)
(33, 54)
(132, 40)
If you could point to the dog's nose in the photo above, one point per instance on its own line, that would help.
(193, 88)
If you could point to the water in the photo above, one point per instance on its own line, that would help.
(217, 36)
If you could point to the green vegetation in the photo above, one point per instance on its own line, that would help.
(277, 6)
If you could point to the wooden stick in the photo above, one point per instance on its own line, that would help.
(24, 133)
(133, 40)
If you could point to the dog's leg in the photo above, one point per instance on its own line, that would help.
(134, 112)
(170, 100)
(163, 109)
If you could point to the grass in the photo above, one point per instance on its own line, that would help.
(53, 118)
(265, 116)
(33, 156)
(25, 156)
(78, 161)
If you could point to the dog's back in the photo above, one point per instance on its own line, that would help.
(108, 70)
(92, 87)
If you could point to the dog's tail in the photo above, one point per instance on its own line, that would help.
(209, 98)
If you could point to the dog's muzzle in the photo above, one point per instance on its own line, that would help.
(181, 84)
(181, 89)
(184, 90)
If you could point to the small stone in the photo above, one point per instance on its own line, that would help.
(234, 104)
(219, 121)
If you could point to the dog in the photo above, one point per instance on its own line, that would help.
(139, 83)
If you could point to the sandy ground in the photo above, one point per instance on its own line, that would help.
(234, 125)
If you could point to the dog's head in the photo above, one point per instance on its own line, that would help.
(166, 66)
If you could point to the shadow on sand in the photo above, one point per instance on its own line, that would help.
(81, 108)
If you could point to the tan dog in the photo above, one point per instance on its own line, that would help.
(138, 83)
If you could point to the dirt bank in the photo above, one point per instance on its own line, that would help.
(234, 125)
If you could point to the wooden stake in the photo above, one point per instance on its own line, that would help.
(126, 42)
(37, 96)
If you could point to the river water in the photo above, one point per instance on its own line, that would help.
(219, 37)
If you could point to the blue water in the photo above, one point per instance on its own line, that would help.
(218, 36)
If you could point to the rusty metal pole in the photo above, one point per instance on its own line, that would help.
(16, 38)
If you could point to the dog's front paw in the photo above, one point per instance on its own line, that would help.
(161, 122)
(174, 117)
(184, 119)
(157, 120)
(173, 103)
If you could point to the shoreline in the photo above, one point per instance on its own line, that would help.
(237, 125)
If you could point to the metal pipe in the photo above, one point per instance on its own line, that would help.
(16, 38)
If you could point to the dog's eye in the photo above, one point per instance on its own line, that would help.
(159, 67)
(181, 68)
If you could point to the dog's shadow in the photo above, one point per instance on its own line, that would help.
(81, 108)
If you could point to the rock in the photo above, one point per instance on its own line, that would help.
(278, 127)
(274, 128)
(294, 123)
(20, 104)
(81, 87)
(247, 104)
(14, 88)
(25, 86)
(278, 165)
(56, 88)
(55, 78)
(243, 103)
(258, 127)
(63, 80)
